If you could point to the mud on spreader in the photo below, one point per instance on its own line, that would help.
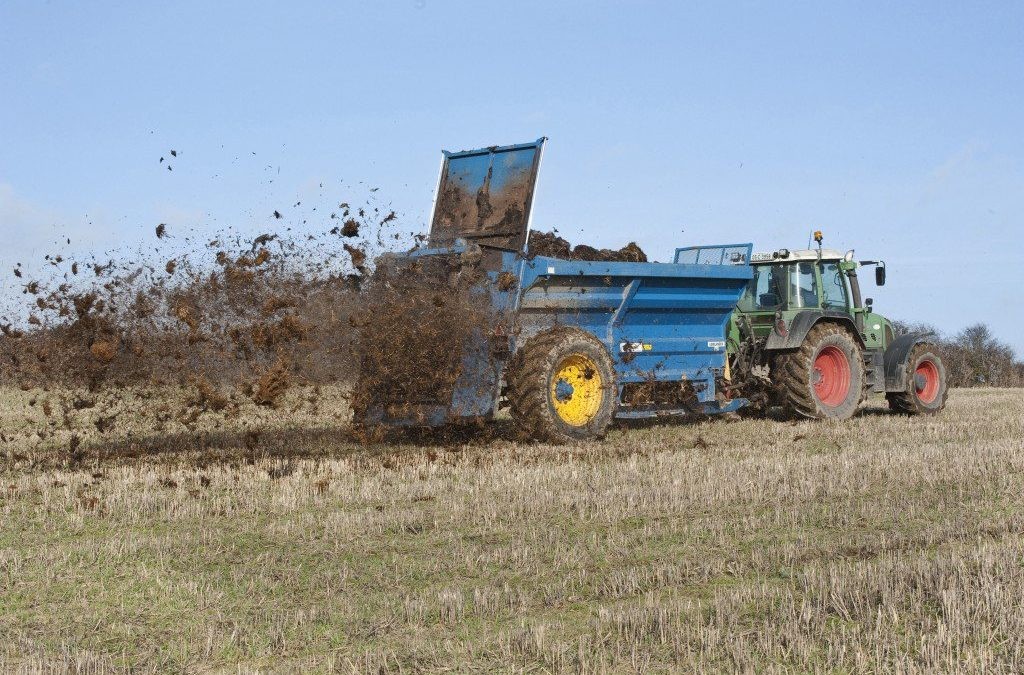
(567, 345)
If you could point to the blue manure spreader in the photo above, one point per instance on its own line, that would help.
(573, 344)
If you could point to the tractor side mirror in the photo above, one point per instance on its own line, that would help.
(880, 275)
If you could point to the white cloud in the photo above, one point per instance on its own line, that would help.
(29, 229)
(17, 215)
(25, 227)
(956, 163)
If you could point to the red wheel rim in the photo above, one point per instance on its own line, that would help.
(831, 377)
(926, 381)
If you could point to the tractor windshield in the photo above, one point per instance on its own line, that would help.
(833, 283)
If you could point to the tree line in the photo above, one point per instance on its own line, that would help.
(974, 357)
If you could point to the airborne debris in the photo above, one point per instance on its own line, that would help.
(358, 257)
(506, 281)
(263, 239)
(207, 397)
(350, 228)
(416, 321)
(104, 351)
(272, 384)
(255, 324)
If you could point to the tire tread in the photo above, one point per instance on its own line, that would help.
(526, 377)
(794, 372)
(906, 401)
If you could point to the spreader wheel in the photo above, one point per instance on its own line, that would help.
(926, 389)
(561, 387)
(824, 378)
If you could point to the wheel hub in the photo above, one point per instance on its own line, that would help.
(831, 377)
(927, 381)
(576, 390)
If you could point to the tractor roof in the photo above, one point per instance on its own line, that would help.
(791, 255)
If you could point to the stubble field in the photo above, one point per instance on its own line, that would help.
(271, 541)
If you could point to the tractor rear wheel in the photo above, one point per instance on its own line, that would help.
(561, 387)
(926, 390)
(824, 378)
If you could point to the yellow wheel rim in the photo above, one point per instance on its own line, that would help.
(576, 390)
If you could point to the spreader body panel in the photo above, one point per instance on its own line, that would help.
(662, 323)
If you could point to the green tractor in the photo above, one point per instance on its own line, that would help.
(803, 338)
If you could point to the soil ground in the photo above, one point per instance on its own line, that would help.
(270, 541)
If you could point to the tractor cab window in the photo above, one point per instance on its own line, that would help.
(803, 287)
(833, 283)
(766, 292)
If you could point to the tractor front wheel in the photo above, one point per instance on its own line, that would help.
(926, 390)
(824, 378)
(561, 387)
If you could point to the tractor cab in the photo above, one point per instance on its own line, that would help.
(789, 282)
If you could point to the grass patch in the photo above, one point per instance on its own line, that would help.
(886, 543)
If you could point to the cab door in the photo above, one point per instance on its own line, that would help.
(835, 292)
(836, 297)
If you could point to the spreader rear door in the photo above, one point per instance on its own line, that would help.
(486, 196)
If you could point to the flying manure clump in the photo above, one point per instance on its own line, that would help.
(256, 317)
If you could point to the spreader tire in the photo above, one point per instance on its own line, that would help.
(561, 387)
(927, 389)
(824, 378)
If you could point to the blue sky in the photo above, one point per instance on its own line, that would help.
(894, 127)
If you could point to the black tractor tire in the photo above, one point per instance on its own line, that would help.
(531, 386)
(927, 388)
(824, 378)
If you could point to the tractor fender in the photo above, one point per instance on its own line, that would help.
(802, 325)
(895, 360)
